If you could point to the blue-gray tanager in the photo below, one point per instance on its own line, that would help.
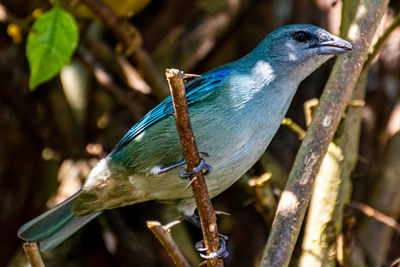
(235, 111)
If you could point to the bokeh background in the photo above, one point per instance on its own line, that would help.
(50, 138)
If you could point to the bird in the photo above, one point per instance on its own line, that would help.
(235, 110)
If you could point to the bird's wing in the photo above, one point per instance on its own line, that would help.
(196, 90)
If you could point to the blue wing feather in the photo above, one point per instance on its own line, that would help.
(196, 90)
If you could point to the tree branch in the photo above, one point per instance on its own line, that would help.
(32, 253)
(377, 215)
(337, 93)
(318, 250)
(163, 235)
(333, 188)
(206, 211)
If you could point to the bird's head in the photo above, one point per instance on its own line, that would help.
(301, 48)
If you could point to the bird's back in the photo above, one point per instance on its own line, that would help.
(234, 124)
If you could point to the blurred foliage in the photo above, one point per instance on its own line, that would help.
(122, 8)
(53, 136)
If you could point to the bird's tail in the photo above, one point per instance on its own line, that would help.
(54, 226)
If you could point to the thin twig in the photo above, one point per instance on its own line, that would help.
(340, 249)
(206, 211)
(32, 253)
(396, 261)
(377, 215)
(383, 196)
(130, 37)
(164, 236)
(337, 93)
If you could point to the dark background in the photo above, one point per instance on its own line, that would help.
(47, 147)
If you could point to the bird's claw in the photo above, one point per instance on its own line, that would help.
(221, 253)
(207, 169)
(202, 165)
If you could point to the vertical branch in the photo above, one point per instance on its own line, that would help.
(294, 201)
(333, 187)
(318, 250)
(32, 253)
(206, 211)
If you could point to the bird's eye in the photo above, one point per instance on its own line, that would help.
(302, 36)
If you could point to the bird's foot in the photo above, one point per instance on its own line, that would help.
(201, 167)
(221, 253)
(158, 170)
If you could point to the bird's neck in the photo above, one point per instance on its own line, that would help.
(269, 76)
(259, 88)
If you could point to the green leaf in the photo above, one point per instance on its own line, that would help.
(51, 42)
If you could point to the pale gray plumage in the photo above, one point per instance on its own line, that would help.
(235, 111)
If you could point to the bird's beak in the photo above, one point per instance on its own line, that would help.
(335, 46)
